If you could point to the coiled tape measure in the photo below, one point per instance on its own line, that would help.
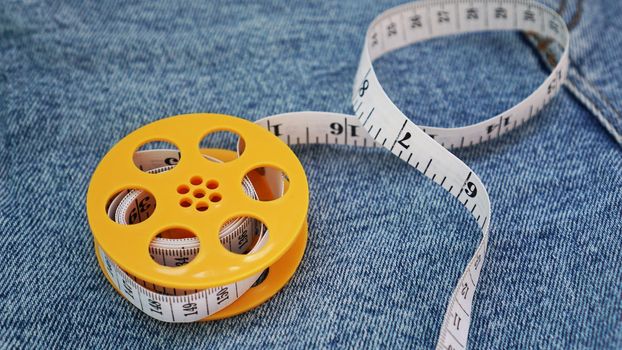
(228, 232)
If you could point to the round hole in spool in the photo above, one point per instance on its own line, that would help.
(202, 206)
(183, 189)
(242, 234)
(270, 183)
(130, 206)
(215, 197)
(196, 180)
(174, 247)
(221, 139)
(185, 202)
(145, 163)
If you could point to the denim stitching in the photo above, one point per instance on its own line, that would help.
(576, 18)
(550, 59)
(591, 106)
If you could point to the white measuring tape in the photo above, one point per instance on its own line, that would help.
(377, 122)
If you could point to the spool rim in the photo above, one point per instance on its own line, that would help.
(283, 216)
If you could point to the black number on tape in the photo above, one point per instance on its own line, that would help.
(552, 86)
(465, 290)
(190, 309)
(363, 88)
(402, 141)
(470, 189)
(127, 288)
(222, 295)
(443, 17)
(275, 129)
(144, 204)
(477, 261)
(108, 266)
(391, 29)
(133, 216)
(181, 261)
(501, 12)
(472, 13)
(374, 39)
(155, 306)
(336, 128)
(457, 320)
(243, 240)
(172, 160)
(415, 22)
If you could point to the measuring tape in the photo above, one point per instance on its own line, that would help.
(215, 233)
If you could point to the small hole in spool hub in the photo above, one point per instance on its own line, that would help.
(215, 197)
(199, 193)
(212, 184)
(196, 180)
(202, 206)
(185, 202)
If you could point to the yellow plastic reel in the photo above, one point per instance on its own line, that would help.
(214, 266)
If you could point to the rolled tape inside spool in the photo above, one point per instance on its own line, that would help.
(122, 249)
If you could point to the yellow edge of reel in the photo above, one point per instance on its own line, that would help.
(214, 265)
(280, 273)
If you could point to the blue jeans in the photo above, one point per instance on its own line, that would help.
(386, 245)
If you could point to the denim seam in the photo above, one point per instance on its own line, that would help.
(576, 17)
(591, 106)
(613, 129)
(582, 88)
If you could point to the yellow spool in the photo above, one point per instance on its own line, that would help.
(285, 217)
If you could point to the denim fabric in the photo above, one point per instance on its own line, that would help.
(386, 245)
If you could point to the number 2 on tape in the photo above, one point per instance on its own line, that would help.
(181, 258)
